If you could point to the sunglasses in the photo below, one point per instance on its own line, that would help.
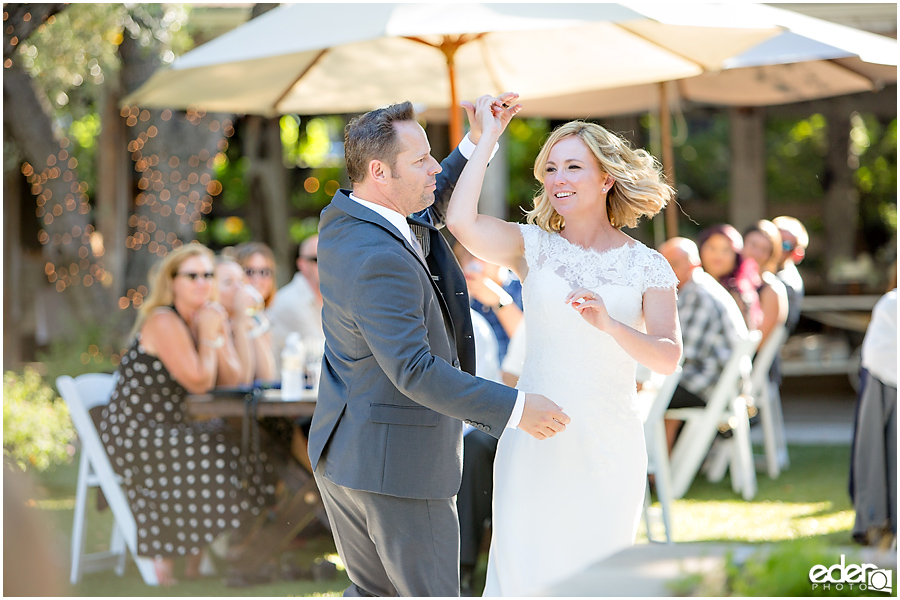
(258, 272)
(194, 276)
(311, 259)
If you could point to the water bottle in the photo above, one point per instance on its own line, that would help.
(314, 351)
(293, 363)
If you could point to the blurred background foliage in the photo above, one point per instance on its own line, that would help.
(37, 430)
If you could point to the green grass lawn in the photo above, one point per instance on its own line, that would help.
(809, 500)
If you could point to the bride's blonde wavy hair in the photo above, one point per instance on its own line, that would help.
(640, 188)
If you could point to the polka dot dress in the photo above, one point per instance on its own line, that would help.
(187, 482)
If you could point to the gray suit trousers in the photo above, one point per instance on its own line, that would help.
(393, 546)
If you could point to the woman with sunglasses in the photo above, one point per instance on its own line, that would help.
(249, 330)
(184, 479)
(258, 262)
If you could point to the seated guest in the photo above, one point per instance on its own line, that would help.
(248, 328)
(186, 481)
(762, 245)
(711, 325)
(720, 255)
(794, 240)
(494, 293)
(873, 472)
(258, 262)
(297, 307)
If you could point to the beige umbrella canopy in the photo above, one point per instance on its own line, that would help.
(809, 59)
(346, 58)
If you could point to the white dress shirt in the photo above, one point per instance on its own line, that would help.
(466, 147)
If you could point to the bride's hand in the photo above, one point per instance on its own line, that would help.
(487, 112)
(504, 107)
(591, 307)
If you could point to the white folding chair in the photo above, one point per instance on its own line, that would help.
(725, 404)
(655, 400)
(95, 470)
(768, 402)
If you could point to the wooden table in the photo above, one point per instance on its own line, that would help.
(250, 405)
(301, 506)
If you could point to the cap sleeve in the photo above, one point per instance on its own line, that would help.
(531, 235)
(657, 272)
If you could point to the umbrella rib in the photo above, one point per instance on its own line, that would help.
(489, 64)
(658, 45)
(875, 84)
(288, 89)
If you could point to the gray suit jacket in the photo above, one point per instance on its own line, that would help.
(392, 391)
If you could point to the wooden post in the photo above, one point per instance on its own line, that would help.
(747, 202)
(668, 159)
(841, 205)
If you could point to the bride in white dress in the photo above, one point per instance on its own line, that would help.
(596, 303)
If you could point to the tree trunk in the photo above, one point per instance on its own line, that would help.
(112, 201)
(174, 155)
(12, 262)
(267, 180)
(62, 204)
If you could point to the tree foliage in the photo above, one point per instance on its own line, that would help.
(36, 425)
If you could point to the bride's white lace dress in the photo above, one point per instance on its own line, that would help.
(564, 503)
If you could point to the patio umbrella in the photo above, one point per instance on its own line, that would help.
(346, 58)
(809, 59)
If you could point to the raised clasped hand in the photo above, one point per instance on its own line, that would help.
(503, 107)
(591, 307)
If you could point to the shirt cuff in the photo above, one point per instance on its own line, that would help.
(467, 148)
(516, 417)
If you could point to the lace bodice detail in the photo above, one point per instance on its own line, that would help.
(633, 265)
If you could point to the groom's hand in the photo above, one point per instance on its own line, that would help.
(506, 109)
(542, 418)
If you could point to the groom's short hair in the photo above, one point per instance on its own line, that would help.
(372, 136)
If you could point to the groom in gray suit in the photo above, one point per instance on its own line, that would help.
(396, 384)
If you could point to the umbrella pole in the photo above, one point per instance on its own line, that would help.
(456, 128)
(668, 159)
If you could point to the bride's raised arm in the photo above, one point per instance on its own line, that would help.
(489, 238)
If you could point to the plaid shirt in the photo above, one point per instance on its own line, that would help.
(711, 324)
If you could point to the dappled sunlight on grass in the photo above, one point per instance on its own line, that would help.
(53, 504)
(809, 499)
(696, 521)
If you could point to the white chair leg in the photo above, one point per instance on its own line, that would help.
(767, 420)
(746, 469)
(778, 417)
(147, 569)
(647, 523)
(117, 547)
(78, 522)
(663, 480)
(717, 463)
